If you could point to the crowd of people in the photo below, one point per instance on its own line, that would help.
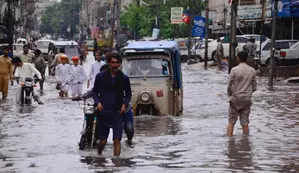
(110, 87)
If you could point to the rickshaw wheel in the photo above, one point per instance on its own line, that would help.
(82, 143)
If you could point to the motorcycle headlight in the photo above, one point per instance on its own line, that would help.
(88, 110)
(145, 96)
(27, 84)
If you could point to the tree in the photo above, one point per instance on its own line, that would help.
(141, 19)
(58, 17)
(137, 19)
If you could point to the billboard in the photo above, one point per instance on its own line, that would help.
(176, 15)
(288, 8)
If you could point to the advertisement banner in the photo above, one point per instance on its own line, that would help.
(199, 28)
(176, 15)
(288, 8)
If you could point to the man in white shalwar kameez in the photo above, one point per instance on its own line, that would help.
(23, 71)
(95, 69)
(63, 75)
(78, 77)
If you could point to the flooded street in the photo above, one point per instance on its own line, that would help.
(44, 138)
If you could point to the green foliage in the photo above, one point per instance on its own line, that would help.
(59, 16)
(141, 19)
(137, 18)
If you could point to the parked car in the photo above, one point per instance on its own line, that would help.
(266, 46)
(241, 40)
(22, 41)
(289, 56)
(43, 46)
(196, 45)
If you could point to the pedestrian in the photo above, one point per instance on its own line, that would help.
(40, 65)
(95, 47)
(95, 69)
(63, 76)
(219, 53)
(241, 85)
(250, 47)
(128, 116)
(26, 56)
(106, 53)
(78, 77)
(85, 50)
(57, 58)
(26, 70)
(112, 95)
(6, 72)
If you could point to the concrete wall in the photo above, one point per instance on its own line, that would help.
(281, 71)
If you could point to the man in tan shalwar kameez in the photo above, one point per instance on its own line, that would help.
(5, 73)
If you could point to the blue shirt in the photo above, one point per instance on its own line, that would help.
(108, 97)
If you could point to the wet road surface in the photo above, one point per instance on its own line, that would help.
(43, 138)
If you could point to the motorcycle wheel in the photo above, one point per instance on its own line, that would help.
(82, 143)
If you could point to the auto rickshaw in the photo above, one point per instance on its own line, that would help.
(154, 69)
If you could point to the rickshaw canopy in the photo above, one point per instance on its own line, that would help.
(170, 47)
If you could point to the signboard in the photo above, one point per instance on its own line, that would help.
(176, 15)
(155, 33)
(253, 11)
(199, 28)
(288, 8)
(284, 9)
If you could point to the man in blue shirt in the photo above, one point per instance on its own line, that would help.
(112, 95)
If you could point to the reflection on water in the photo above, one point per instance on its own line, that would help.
(103, 162)
(156, 125)
(239, 154)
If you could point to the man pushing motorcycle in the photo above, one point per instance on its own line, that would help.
(112, 95)
(26, 70)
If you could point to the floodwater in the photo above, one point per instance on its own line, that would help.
(43, 138)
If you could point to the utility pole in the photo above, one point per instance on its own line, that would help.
(190, 29)
(207, 31)
(233, 31)
(262, 26)
(273, 38)
(9, 24)
(112, 21)
(117, 16)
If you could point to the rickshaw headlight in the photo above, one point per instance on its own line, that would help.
(88, 110)
(145, 97)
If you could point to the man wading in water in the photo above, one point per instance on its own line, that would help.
(112, 95)
(241, 85)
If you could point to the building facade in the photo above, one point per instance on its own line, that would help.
(98, 15)
(4, 20)
(250, 18)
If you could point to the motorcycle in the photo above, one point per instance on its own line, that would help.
(88, 132)
(27, 90)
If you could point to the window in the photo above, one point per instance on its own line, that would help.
(242, 39)
(42, 44)
(145, 67)
(280, 45)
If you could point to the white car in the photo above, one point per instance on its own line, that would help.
(290, 55)
(266, 46)
(241, 40)
(22, 41)
(43, 46)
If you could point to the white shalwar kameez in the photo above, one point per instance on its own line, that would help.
(94, 70)
(78, 77)
(63, 75)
